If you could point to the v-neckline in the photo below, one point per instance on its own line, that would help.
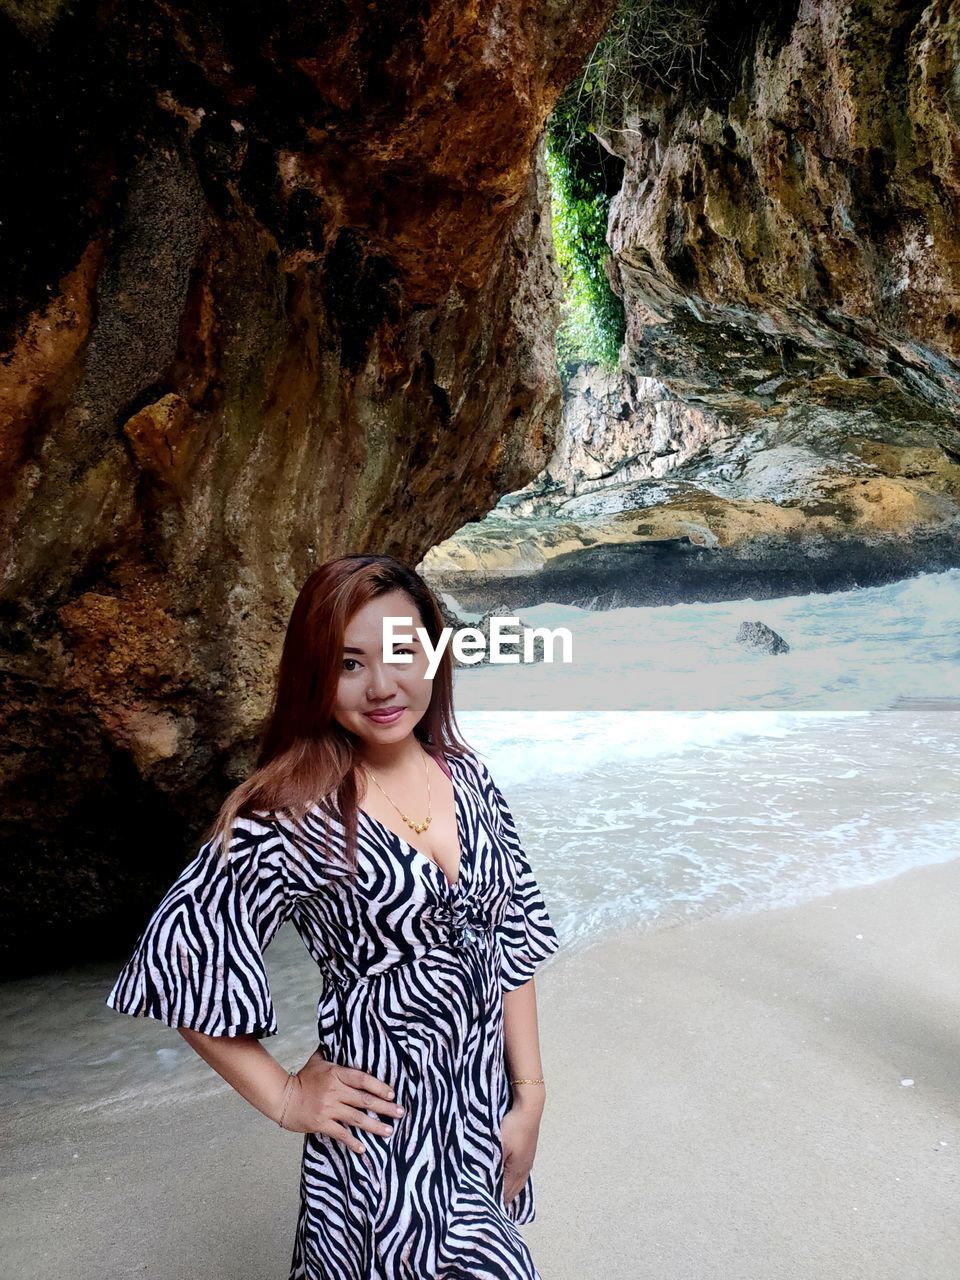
(452, 885)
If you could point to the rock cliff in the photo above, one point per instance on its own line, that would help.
(787, 246)
(277, 284)
(281, 286)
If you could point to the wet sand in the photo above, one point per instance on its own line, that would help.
(726, 1101)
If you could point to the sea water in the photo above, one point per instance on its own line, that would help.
(669, 771)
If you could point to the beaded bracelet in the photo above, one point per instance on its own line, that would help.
(291, 1076)
(540, 1081)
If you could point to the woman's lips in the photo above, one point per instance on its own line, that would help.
(385, 716)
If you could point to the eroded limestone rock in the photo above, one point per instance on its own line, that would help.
(278, 284)
(786, 242)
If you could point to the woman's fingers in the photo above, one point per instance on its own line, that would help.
(512, 1183)
(341, 1114)
(350, 1115)
(334, 1130)
(364, 1082)
(339, 1096)
(363, 1097)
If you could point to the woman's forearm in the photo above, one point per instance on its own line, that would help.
(521, 1036)
(245, 1065)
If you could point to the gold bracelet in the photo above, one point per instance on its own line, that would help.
(291, 1076)
(540, 1081)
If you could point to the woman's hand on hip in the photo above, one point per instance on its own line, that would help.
(330, 1097)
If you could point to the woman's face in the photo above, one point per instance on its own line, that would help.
(368, 684)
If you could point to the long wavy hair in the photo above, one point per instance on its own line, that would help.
(305, 757)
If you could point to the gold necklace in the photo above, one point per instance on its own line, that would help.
(415, 826)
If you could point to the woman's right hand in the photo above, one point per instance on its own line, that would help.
(330, 1096)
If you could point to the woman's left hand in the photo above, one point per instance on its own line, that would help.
(519, 1131)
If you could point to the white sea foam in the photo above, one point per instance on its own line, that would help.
(834, 765)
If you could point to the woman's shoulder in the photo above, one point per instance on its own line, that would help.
(251, 832)
(256, 819)
(308, 845)
(256, 822)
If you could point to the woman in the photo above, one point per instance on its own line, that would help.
(385, 839)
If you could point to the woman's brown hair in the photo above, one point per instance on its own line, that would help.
(304, 755)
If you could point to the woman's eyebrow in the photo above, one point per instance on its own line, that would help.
(349, 649)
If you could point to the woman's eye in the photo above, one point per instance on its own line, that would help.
(356, 663)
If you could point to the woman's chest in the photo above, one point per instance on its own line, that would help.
(437, 839)
(464, 851)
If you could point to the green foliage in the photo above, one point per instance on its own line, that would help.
(648, 43)
(593, 325)
(584, 178)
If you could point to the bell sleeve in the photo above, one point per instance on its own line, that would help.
(526, 934)
(199, 961)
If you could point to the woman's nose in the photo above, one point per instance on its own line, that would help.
(383, 682)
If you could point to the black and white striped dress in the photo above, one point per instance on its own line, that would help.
(414, 971)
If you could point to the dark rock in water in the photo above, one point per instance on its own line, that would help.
(450, 619)
(759, 636)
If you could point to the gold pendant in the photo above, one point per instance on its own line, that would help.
(416, 826)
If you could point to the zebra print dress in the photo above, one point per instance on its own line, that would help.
(414, 969)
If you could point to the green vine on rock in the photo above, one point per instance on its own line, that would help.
(592, 327)
(668, 44)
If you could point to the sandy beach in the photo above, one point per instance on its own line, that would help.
(727, 1101)
(727, 1097)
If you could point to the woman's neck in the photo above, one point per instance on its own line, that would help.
(392, 756)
